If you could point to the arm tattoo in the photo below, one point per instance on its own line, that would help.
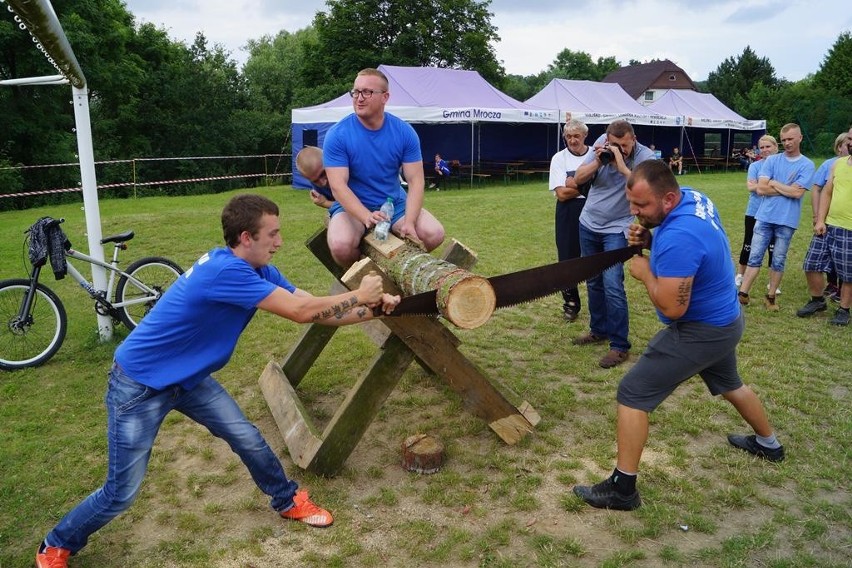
(337, 311)
(684, 290)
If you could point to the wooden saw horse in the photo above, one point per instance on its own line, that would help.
(401, 340)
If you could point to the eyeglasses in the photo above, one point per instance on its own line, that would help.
(365, 94)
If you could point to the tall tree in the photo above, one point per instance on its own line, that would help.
(275, 80)
(579, 65)
(735, 76)
(835, 73)
(354, 34)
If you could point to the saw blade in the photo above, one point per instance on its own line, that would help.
(526, 285)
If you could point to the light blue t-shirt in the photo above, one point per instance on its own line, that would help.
(607, 209)
(780, 209)
(692, 242)
(753, 198)
(373, 157)
(193, 329)
(821, 176)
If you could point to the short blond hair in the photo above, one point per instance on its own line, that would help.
(840, 141)
(370, 72)
(768, 138)
(790, 126)
(308, 159)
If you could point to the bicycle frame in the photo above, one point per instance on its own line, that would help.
(106, 296)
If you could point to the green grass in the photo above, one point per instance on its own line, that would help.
(492, 504)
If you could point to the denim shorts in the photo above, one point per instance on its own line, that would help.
(764, 234)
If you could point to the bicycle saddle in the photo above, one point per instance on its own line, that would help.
(119, 238)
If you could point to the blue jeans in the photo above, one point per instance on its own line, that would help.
(764, 234)
(607, 300)
(135, 413)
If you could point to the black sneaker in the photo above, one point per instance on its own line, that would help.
(604, 495)
(570, 312)
(752, 446)
(811, 308)
(841, 317)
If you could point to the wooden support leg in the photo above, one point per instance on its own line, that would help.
(325, 454)
(402, 339)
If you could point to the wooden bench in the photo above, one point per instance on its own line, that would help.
(527, 173)
(481, 178)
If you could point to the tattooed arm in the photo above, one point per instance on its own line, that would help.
(670, 295)
(341, 309)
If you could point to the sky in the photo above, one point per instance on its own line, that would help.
(795, 35)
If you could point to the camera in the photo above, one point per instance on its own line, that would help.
(606, 156)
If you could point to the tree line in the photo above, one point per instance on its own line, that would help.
(151, 96)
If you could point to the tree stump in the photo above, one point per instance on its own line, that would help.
(463, 298)
(422, 453)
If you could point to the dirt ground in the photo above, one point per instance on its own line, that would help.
(371, 529)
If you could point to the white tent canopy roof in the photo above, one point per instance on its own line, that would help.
(435, 95)
(703, 110)
(597, 103)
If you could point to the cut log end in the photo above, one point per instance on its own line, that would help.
(469, 303)
(422, 453)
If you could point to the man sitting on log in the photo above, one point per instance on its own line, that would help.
(362, 155)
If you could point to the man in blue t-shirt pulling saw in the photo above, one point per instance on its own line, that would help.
(689, 279)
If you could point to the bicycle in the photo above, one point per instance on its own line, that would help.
(34, 320)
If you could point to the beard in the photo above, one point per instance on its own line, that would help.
(650, 222)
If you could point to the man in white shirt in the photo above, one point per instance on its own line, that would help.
(570, 200)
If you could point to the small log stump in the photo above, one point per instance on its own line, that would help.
(422, 453)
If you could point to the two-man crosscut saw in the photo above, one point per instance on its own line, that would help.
(526, 285)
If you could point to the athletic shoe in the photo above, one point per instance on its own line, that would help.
(743, 298)
(570, 311)
(51, 557)
(305, 511)
(769, 302)
(777, 290)
(604, 495)
(841, 317)
(811, 308)
(738, 280)
(752, 446)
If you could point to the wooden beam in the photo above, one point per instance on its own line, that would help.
(305, 352)
(357, 412)
(436, 346)
(299, 433)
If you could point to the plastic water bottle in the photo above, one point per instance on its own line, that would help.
(383, 227)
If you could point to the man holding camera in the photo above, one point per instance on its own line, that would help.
(603, 227)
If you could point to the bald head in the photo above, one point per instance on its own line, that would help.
(309, 160)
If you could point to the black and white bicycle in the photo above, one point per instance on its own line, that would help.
(33, 320)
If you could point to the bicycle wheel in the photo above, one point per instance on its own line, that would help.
(34, 340)
(134, 302)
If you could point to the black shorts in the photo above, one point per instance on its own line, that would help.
(678, 352)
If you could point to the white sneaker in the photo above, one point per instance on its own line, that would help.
(777, 290)
(738, 280)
